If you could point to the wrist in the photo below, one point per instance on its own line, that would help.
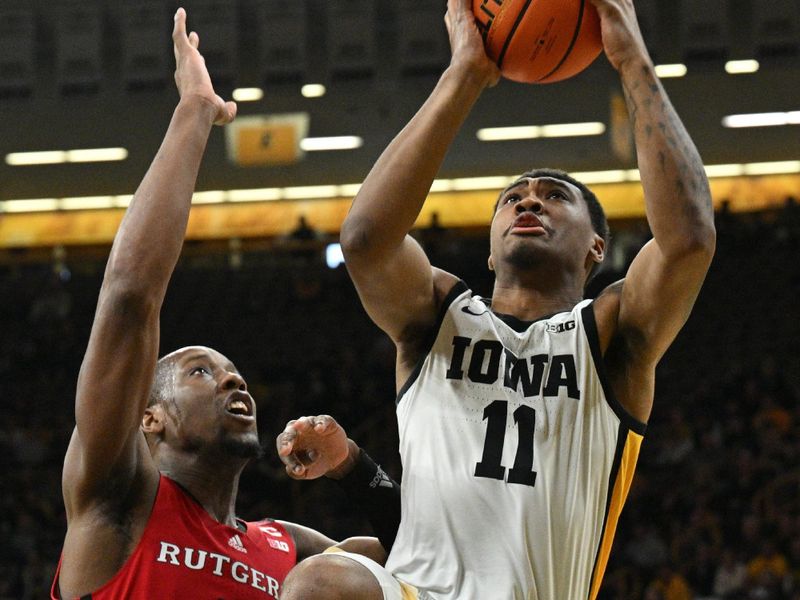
(637, 67)
(467, 77)
(345, 467)
(198, 106)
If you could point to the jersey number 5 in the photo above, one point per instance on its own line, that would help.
(496, 415)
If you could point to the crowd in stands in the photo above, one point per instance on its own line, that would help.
(714, 511)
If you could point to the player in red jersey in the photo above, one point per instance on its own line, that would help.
(152, 470)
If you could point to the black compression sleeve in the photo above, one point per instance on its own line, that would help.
(377, 494)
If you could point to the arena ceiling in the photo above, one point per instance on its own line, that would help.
(97, 73)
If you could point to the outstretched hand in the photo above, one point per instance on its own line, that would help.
(191, 75)
(311, 447)
(622, 38)
(466, 43)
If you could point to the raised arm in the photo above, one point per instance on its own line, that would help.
(117, 370)
(665, 277)
(392, 274)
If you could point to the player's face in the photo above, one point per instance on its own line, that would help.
(212, 404)
(541, 219)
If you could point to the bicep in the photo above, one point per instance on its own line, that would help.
(658, 296)
(112, 391)
(399, 289)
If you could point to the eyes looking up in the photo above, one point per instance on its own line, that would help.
(555, 194)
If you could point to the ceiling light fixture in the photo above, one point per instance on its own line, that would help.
(531, 132)
(670, 70)
(248, 94)
(210, 197)
(728, 170)
(313, 90)
(255, 195)
(342, 142)
(86, 203)
(54, 157)
(738, 67)
(770, 119)
(32, 205)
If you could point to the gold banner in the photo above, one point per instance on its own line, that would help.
(267, 219)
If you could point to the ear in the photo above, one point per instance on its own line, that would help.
(596, 253)
(490, 263)
(153, 419)
(598, 249)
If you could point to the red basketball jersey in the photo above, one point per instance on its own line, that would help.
(184, 553)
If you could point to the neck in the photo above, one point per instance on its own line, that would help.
(529, 298)
(212, 481)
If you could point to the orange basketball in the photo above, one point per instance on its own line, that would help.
(539, 41)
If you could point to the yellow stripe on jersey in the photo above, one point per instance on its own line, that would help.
(622, 484)
(409, 591)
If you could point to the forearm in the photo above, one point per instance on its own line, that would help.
(393, 193)
(677, 196)
(314, 446)
(375, 493)
(150, 237)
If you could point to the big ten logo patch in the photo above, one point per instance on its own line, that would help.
(561, 327)
(278, 545)
(272, 534)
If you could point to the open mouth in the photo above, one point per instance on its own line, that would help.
(528, 222)
(239, 404)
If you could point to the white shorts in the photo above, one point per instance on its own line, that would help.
(393, 589)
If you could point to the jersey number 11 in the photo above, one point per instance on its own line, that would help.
(496, 415)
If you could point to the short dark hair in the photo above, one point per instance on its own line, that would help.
(596, 212)
(162, 379)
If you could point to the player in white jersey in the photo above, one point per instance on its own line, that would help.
(520, 417)
(523, 412)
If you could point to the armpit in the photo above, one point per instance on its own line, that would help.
(606, 313)
(615, 289)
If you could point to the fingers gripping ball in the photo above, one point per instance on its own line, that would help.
(539, 41)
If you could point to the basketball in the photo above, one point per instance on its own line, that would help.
(539, 42)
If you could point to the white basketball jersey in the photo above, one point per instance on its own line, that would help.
(516, 457)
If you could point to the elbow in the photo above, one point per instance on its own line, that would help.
(704, 239)
(356, 238)
(699, 243)
(134, 282)
(704, 232)
(129, 298)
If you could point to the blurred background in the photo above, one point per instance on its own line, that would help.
(86, 93)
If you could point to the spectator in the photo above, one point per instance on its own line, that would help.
(731, 575)
(669, 585)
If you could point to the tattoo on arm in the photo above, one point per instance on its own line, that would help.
(653, 116)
